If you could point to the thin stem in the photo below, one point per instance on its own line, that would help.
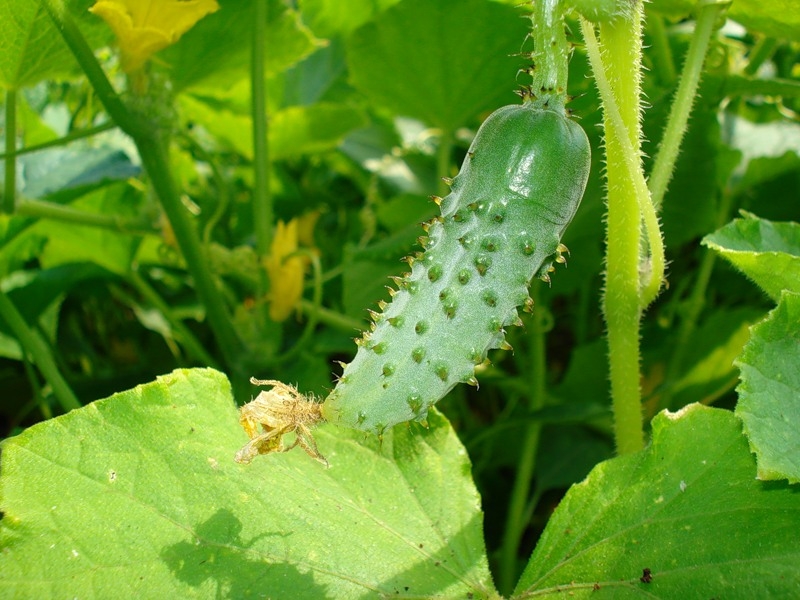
(156, 162)
(263, 216)
(664, 164)
(10, 191)
(332, 318)
(94, 72)
(550, 56)
(661, 51)
(33, 344)
(41, 209)
(620, 91)
(737, 85)
(516, 520)
(629, 155)
(62, 141)
(760, 53)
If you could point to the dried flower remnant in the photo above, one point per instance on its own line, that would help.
(278, 411)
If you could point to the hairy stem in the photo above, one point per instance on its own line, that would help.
(550, 56)
(618, 78)
(664, 164)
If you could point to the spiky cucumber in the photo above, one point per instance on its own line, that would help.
(501, 226)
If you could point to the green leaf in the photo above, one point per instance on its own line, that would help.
(31, 49)
(216, 51)
(339, 17)
(294, 131)
(767, 252)
(776, 18)
(138, 495)
(770, 387)
(687, 508)
(440, 61)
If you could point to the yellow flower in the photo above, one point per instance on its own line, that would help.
(285, 272)
(143, 27)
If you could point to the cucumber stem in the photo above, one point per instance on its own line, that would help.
(550, 56)
(10, 191)
(618, 75)
(34, 344)
(681, 108)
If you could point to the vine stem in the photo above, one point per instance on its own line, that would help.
(10, 191)
(517, 518)
(155, 159)
(707, 14)
(550, 70)
(262, 199)
(62, 141)
(629, 154)
(33, 344)
(618, 73)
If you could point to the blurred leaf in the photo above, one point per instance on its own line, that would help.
(687, 509)
(79, 168)
(41, 289)
(294, 131)
(139, 495)
(776, 18)
(405, 210)
(69, 243)
(767, 252)
(339, 17)
(216, 52)
(31, 48)
(311, 129)
(440, 61)
(769, 391)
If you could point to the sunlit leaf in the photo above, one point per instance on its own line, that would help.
(767, 252)
(768, 395)
(684, 518)
(138, 496)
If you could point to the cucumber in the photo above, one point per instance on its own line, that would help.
(519, 187)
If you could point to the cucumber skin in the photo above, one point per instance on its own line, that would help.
(519, 187)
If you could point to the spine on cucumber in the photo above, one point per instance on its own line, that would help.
(519, 187)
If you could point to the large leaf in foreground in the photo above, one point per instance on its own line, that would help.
(138, 496)
(768, 395)
(767, 252)
(687, 510)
